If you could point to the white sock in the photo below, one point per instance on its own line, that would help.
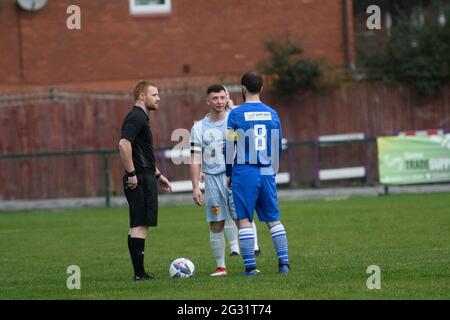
(231, 232)
(256, 235)
(217, 242)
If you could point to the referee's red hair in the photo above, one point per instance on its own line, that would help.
(141, 87)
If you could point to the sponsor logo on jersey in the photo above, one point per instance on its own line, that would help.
(257, 116)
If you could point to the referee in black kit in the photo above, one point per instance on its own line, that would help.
(141, 175)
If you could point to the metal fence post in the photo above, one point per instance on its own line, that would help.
(368, 179)
(316, 162)
(106, 179)
(292, 174)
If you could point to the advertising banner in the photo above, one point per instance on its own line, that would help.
(414, 160)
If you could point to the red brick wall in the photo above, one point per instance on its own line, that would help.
(214, 37)
(9, 43)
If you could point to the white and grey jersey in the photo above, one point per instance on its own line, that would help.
(207, 139)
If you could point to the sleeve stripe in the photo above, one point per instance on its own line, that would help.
(196, 149)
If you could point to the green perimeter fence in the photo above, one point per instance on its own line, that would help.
(304, 164)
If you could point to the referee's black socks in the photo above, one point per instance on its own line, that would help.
(136, 247)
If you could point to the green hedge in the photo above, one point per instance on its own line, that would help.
(291, 74)
(415, 55)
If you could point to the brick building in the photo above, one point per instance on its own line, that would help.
(183, 45)
(180, 39)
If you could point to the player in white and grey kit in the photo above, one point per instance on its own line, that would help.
(207, 143)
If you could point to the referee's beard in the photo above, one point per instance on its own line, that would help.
(152, 106)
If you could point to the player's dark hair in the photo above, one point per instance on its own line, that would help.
(253, 81)
(216, 88)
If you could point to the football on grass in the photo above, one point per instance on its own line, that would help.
(181, 268)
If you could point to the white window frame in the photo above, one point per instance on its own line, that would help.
(150, 8)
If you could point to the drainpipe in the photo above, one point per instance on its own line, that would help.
(345, 35)
(20, 46)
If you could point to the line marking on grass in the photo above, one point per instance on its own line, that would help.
(336, 199)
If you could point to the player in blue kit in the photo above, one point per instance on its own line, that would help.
(253, 151)
(231, 231)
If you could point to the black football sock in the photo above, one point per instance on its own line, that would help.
(137, 246)
(129, 243)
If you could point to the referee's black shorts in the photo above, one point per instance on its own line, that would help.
(143, 201)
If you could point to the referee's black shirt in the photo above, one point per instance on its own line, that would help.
(136, 129)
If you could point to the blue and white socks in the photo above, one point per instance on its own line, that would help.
(280, 242)
(247, 246)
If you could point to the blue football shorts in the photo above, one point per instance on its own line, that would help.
(253, 190)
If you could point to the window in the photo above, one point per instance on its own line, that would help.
(150, 6)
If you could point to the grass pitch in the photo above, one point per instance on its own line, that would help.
(331, 244)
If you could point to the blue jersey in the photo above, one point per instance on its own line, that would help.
(253, 137)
